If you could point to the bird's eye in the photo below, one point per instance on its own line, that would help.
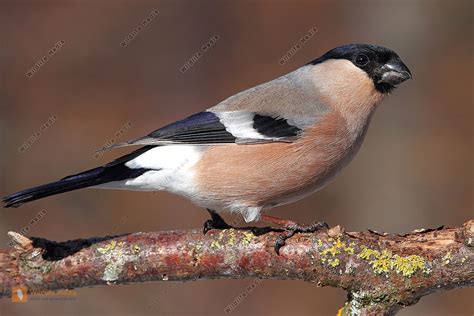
(361, 60)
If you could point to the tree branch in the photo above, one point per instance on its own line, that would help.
(382, 273)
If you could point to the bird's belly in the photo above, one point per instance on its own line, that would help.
(320, 180)
(246, 181)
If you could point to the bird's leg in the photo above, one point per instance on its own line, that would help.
(291, 228)
(216, 222)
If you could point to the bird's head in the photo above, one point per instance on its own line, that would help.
(382, 65)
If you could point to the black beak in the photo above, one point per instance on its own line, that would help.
(394, 72)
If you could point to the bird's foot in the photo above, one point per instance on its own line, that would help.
(216, 222)
(291, 228)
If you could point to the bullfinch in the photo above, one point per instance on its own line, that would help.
(267, 146)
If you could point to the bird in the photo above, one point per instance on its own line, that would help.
(266, 146)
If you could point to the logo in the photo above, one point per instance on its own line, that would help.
(19, 294)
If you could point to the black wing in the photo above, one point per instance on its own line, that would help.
(206, 128)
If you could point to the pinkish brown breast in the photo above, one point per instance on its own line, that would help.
(276, 173)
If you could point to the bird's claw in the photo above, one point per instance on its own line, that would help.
(210, 224)
(216, 222)
(294, 228)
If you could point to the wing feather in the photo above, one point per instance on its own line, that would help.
(208, 128)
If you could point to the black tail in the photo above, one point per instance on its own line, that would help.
(114, 171)
(74, 182)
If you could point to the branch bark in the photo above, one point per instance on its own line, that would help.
(381, 272)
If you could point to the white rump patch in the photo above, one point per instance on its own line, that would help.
(171, 170)
(167, 157)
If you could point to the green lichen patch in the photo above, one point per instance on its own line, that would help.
(334, 262)
(116, 256)
(248, 236)
(329, 255)
(215, 245)
(383, 262)
(230, 237)
(407, 266)
(108, 247)
(362, 301)
(41, 266)
(320, 243)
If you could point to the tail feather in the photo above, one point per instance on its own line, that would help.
(114, 171)
(79, 181)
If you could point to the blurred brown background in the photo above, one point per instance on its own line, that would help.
(414, 170)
